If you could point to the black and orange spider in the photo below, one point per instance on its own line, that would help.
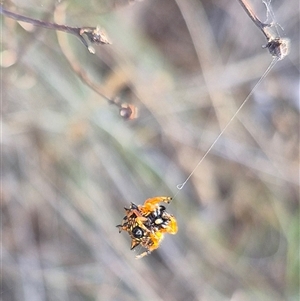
(146, 224)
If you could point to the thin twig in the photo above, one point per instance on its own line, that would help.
(262, 26)
(94, 34)
(277, 46)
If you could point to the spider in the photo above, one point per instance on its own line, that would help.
(146, 224)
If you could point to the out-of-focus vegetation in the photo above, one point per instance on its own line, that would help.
(70, 163)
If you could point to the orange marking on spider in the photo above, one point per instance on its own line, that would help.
(147, 223)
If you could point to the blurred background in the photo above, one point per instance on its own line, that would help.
(70, 162)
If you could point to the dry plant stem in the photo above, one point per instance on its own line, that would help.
(255, 19)
(125, 110)
(83, 75)
(278, 47)
(93, 34)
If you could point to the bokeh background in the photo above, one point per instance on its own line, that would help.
(70, 162)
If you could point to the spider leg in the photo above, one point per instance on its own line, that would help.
(156, 238)
(172, 227)
(142, 255)
(151, 204)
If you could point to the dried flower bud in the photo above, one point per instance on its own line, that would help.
(95, 35)
(278, 47)
(128, 111)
